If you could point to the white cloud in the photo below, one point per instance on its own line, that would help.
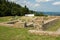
(29, 4)
(13, 0)
(24, 1)
(42, 0)
(56, 3)
(37, 5)
(17, 0)
(34, 6)
(21, 2)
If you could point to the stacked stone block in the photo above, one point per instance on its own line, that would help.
(38, 23)
(19, 25)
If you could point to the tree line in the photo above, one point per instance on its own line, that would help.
(12, 9)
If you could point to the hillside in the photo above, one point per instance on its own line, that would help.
(11, 9)
(8, 8)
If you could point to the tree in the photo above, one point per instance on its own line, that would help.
(12, 9)
(26, 10)
(39, 14)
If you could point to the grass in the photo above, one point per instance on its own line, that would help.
(23, 18)
(8, 18)
(4, 19)
(7, 33)
(54, 27)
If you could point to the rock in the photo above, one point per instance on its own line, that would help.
(19, 25)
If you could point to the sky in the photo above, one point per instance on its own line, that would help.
(40, 5)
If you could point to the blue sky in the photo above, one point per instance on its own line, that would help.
(40, 5)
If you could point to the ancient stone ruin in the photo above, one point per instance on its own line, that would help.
(19, 25)
(38, 23)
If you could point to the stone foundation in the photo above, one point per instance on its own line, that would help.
(38, 22)
(49, 33)
(50, 23)
(19, 25)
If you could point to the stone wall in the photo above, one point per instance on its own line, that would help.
(38, 23)
(41, 24)
(49, 33)
(19, 25)
(49, 24)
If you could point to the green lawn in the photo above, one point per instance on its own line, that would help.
(7, 33)
(5, 19)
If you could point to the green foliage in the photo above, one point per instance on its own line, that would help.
(11, 9)
(39, 14)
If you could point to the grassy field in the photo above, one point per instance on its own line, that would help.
(8, 18)
(7, 33)
(23, 18)
(5, 19)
